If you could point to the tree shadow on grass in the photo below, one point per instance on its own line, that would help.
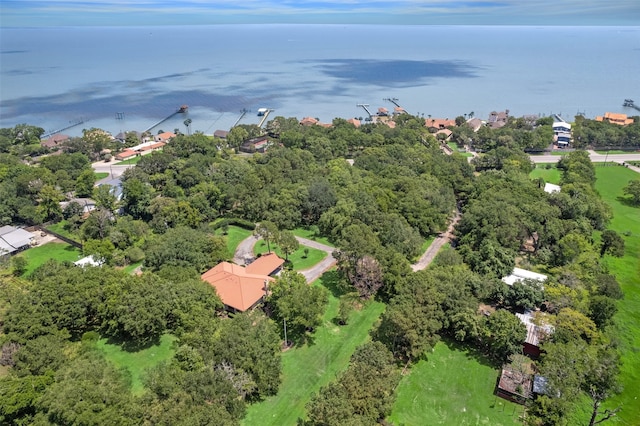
(626, 201)
(333, 282)
(129, 346)
(471, 352)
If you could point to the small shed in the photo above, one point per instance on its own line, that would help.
(514, 386)
(14, 239)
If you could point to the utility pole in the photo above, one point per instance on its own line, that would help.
(286, 343)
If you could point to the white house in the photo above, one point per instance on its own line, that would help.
(522, 274)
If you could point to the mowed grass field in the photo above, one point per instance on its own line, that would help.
(37, 256)
(136, 363)
(307, 368)
(298, 259)
(626, 222)
(453, 386)
(551, 175)
(234, 236)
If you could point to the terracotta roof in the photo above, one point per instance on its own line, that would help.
(265, 264)
(308, 121)
(165, 136)
(354, 121)
(237, 288)
(620, 119)
(439, 123)
(125, 154)
(157, 145)
(222, 134)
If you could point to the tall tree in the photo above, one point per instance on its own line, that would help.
(268, 231)
(299, 304)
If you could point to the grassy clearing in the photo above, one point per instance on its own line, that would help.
(552, 175)
(454, 147)
(626, 222)
(101, 175)
(307, 368)
(297, 258)
(137, 362)
(312, 234)
(37, 256)
(59, 228)
(133, 160)
(453, 386)
(234, 236)
(130, 268)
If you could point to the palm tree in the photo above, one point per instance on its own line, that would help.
(187, 124)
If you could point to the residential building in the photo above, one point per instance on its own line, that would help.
(243, 288)
(498, 119)
(519, 275)
(537, 332)
(439, 123)
(619, 119)
(13, 240)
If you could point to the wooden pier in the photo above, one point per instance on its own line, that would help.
(71, 124)
(629, 103)
(181, 110)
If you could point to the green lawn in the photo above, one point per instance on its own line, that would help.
(130, 268)
(453, 386)
(313, 234)
(461, 151)
(234, 236)
(59, 228)
(297, 258)
(101, 175)
(626, 220)
(615, 151)
(137, 362)
(551, 175)
(132, 160)
(305, 369)
(37, 256)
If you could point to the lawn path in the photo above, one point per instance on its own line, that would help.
(245, 251)
(430, 254)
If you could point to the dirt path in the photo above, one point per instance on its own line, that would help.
(431, 252)
(244, 255)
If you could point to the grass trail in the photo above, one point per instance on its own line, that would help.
(307, 368)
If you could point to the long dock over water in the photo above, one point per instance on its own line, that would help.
(71, 124)
(180, 110)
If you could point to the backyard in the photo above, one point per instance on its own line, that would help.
(37, 256)
(136, 363)
(299, 260)
(548, 172)
(309, 367)
(453, 386)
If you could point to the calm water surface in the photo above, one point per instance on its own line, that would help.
(52, 76)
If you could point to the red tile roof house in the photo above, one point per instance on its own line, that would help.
(439, 123)
(243, 288)
(127, 153)
(164, 137)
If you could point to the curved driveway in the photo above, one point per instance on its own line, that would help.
(244, 252)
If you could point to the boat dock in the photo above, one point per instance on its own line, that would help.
(629, 103)
(181, 110)
(71, 124)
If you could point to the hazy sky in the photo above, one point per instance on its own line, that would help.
(418, 12)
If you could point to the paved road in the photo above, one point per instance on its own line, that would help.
(435, 246)
(244, 255)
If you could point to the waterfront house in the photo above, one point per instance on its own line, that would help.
(435, 124)
(619, 119)
(498, 119)
(259, 144)
(164, 137)
(55, 141)
(221, 134)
